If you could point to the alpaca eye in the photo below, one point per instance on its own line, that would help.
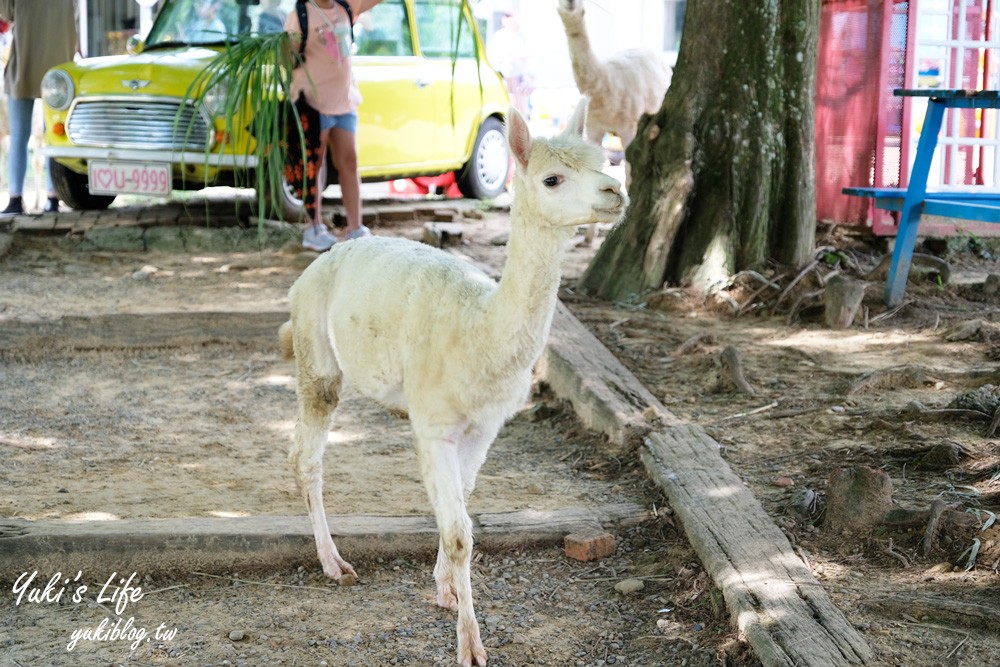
(552, 181)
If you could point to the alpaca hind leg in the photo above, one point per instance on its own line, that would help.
(447, 596)
(440, 466)
(318, 392)
(474, 447)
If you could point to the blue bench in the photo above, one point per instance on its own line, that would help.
(914, 200)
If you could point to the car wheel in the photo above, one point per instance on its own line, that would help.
(484, 176)
(283, 204)
(72, 189)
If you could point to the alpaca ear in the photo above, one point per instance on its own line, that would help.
(518, 137)
(578, 121)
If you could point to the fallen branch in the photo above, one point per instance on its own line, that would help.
(914, 408)
(919, 261)
(749, 413)
(262, 583)
(892, 378)
(889, 313)
(796, 280)
(938, 508)
(994, 424)
(966, 614)
(890, 551)
(692, 342)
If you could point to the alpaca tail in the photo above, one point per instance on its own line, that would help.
(285, 336)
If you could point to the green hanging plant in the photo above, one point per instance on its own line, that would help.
(250, 83)
(250, 80)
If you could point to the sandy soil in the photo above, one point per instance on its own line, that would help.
(202, 431)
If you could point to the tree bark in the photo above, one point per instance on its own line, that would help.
(723, 176)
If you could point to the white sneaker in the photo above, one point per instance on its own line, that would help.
(358, 233)
(318, 238)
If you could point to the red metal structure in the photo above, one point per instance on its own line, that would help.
(867, 136)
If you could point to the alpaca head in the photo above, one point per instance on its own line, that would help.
(559, 183)
(570, 9)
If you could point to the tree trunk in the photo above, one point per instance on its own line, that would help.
(723, 176)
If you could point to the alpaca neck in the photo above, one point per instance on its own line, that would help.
(520, 311)
(588, 71)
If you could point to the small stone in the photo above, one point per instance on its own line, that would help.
(783, 482)
(629, 586)
(968, 330)
(237, 635)
(992, 284)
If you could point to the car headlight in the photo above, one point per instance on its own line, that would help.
(57, 89)
(214, 98)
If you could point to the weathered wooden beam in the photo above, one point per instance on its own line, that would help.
(138, 330)
(606, 396)
(772, 597)
(227, 544)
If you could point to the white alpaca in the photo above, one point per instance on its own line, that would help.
(621, 88)
(419, 330)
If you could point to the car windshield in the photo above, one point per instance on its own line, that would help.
(203, 22)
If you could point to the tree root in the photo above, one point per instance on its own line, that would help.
(929, 264)
(692, 342)
(892, 378)
(732, 371)
(967, 614)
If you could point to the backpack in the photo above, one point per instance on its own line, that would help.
(300, 9)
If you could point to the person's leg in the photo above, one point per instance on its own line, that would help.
(324, 150)
(317, 236)
(345, 159)
(19, 114)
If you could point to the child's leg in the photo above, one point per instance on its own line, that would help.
(324, 144)
(345, 159)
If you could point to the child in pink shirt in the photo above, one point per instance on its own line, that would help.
(328, 84)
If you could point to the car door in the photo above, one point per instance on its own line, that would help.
(396, 119)
(454, 82)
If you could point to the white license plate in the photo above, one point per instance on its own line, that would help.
(112, 177)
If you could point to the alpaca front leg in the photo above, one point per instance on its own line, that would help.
(307, 458)
(441, 469)
(447, 596)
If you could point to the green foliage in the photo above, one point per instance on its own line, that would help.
(250, 82)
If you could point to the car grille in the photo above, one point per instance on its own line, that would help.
(134, 123)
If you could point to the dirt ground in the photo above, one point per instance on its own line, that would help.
(123, 432)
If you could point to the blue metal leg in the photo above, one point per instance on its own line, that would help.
(909, 217)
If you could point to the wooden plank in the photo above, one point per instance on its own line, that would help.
(224, 544)
(139, 330)
(772, 597)
(605, 395)
(779, 606)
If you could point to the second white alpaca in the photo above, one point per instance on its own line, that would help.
(621, 88)
(420, 330)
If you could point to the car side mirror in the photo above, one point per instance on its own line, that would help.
(134, 45)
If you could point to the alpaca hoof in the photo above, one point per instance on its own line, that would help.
(475, 658)
(447, 600)
(339, 569)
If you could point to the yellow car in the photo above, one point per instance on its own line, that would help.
(112, 121)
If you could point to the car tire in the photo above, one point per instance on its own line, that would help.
(484, 176)
(283, 205)
(72, 189)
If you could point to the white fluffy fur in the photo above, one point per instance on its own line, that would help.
(621, 88)
(418, 329)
